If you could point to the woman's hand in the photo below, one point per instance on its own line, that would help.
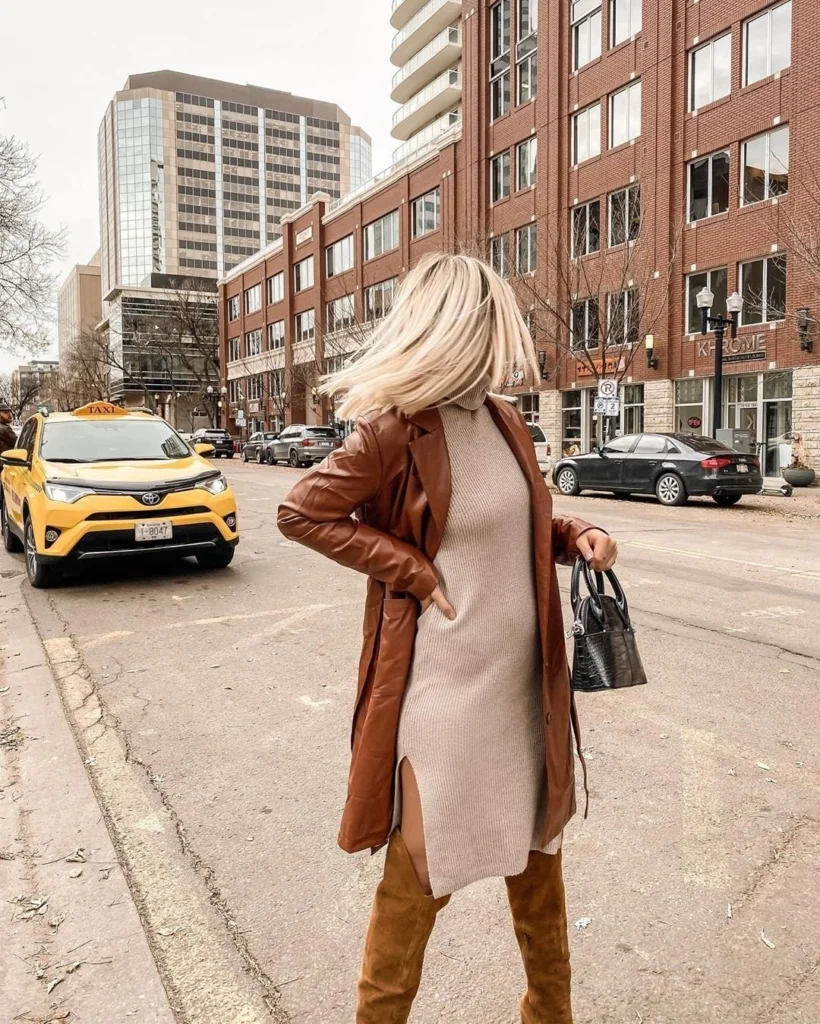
(599, 549)
(438, 598)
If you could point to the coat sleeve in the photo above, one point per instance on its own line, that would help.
(318, 513)
(565, 533)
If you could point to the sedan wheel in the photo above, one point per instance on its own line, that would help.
(568, 481)
(244, 454)
(670, 490)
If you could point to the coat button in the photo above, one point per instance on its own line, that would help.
(549, 718)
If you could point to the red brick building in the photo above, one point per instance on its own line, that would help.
(663, 146)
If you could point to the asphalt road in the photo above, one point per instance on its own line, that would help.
(699, 864)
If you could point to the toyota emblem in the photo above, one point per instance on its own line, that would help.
(151, 498)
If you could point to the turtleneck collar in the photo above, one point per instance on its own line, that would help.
(472, 399)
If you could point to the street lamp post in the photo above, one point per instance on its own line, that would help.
(718, 324)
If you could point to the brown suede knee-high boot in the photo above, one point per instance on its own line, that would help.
(401, 922)
(540, 918)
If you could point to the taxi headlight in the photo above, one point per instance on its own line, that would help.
(216, 484)
(66, 493)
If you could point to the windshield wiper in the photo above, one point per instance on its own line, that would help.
(56, 458)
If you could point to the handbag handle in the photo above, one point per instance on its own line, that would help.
(595, 586)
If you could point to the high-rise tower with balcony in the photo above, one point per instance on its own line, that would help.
(427, 51)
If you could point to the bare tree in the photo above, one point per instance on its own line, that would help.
(28, 250)
(83, 373)
(19, 393)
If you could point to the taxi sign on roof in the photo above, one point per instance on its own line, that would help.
(100, 409)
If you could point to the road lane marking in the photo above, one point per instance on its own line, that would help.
(317, 705)
(704, 817)
(719, 558)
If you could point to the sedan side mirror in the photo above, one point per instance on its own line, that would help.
(204, 449)
(16, 457)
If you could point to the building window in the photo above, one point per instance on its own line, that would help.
(717, 283)
(586, 134)
(276, 335)
(499, 177)
(586, 32)
(530, 406)
(586, 228)
(625, 115)
(378, 299)
(708, 186)
(585, 328)
(234, 391)
(276, 288)
(526, 247)
(255, 388)
(303, 274)
(339, 256)
(305, 324)
(499, 59)
(623, 318)
(625, 215)
(571, 422)
(689, 406)
(710, 72)
(767, 43)
(526, 164)
(632, 409)
(253, 299)
(253, 343)
(425, 213)
(382, 235)
(527, 18)
(526, 72)
(763, 287)
(624, 20)
(498, 255)
(234, 349)
(341, 313)
(233, 308)
(765, 166)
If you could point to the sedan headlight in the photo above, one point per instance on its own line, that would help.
(66, 493)
(215, 485)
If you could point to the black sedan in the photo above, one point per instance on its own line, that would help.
(673, 467)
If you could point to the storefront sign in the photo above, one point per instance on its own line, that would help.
(694, 422)
(747, 348)
(602, 367)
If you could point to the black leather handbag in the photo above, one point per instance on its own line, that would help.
(606, 654)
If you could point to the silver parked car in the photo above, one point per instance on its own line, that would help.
(301, 445)
(543, 451)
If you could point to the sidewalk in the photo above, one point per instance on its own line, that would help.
(74, 947)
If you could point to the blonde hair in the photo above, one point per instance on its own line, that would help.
(454, 325)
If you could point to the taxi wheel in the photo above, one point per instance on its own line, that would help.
(39, 575)
(215, 558)
(11, 541)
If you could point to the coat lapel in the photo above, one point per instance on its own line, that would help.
(432, 462)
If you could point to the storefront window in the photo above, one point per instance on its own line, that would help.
(777, 421)
(689, 406)
(740, 402)
(571, 422)
(632, 404)
(530, 407)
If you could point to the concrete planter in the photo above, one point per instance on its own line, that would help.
(799, 477)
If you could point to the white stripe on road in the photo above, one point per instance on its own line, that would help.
(719, 558)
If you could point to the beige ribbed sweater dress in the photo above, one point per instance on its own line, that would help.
(471, 721)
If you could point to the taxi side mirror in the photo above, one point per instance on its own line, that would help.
(16, 457)
(204, 449)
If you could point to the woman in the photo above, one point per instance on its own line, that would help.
(462, 754)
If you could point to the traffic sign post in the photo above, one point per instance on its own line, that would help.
(607, 388)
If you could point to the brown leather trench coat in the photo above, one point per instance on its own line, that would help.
(394, 474)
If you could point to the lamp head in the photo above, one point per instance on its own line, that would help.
(705, 298)
(649, 341)
(734, 303)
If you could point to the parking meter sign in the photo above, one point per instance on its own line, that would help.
(606, 406)
(607, 388)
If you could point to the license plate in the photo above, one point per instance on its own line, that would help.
(742, 467)
(161, 530)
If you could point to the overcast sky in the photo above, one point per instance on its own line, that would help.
(62, 63)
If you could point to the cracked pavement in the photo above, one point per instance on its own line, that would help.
(224, 699)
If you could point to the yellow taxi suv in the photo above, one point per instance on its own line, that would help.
(103, 482)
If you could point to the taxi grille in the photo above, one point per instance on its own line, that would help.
(148, 513)
(124, 540)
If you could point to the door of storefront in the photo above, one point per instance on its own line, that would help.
(762, 403)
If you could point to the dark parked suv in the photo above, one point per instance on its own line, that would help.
(300, 445)
(220, 439)
(673, 467)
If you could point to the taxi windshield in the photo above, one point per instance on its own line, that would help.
(120, 440)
